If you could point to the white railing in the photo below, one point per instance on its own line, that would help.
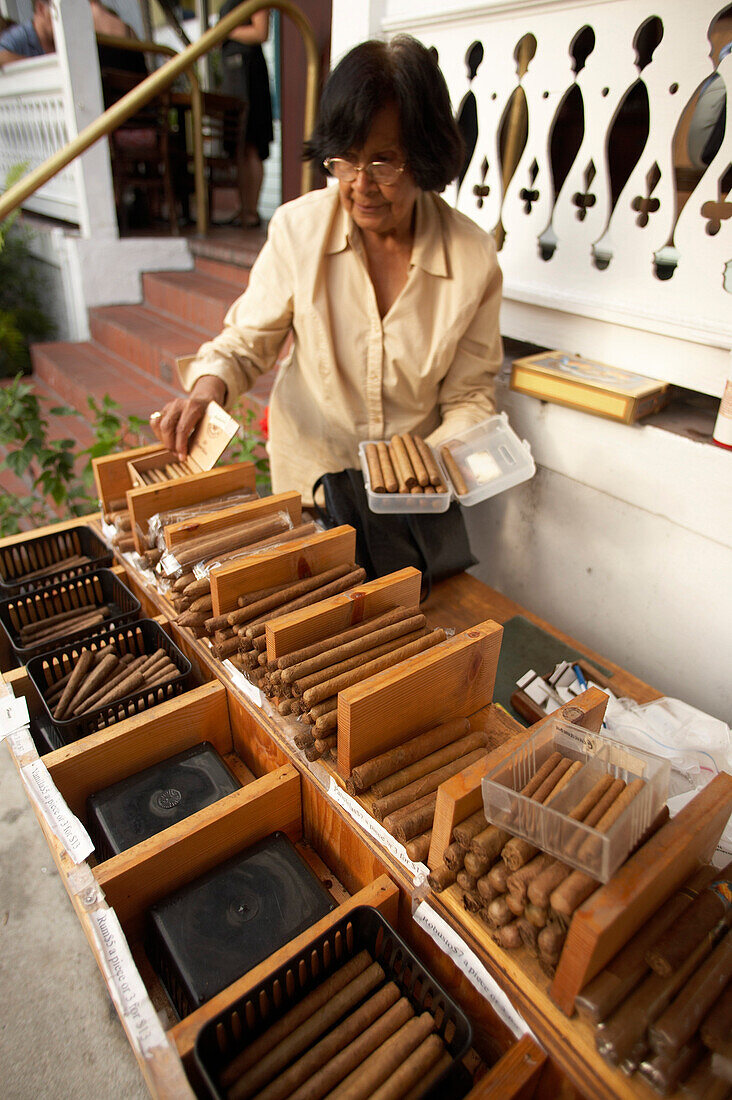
(621, 255)
(32, 127)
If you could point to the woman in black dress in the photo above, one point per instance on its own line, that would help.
(245, 76)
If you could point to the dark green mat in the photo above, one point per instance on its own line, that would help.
(526, 646)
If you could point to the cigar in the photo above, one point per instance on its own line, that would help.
(304, 683)
(351, 649)
(716, 1029)
(518, 881)
(489, 842)
(464, 832)
(301, 1013)
(398, 781)
(350, 580)
(285, 595)
(429, 1079)
(704, 913)
(82, 666)
(80, 623)
(454, 856)
(327, 723)
(578, 886)
(389, 660)
(409, 1073)
(387, 470)
(197, 588)
(284, 707)
(456, 475)
(536, 916)
(325, 707)
(126, 686)
(233, 538)
(222, 650)
(299, 656)
(51, 622)
(386, 1059)
(431, 466)
(405, 796)
(679, 1022)
(303, 1037)
(475, 864)
(418, 849)
(125, 666)
(441, 878)
(487, 890)
(315, 1061)
(371, 771)
(623, 1038)
(402, 466)
(624, 972)
(420, 470)
(704, 1084)
(376, 476)
(529, 935)
(517, 851)
(499, 913)
(467, 882)
(664, 1071)
(508, 936)
(101, 672)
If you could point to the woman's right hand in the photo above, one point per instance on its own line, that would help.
(176, 421)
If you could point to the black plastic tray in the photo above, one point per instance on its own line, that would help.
(143, 636)
(91, 589)
(227, 1034)
(207, 934)
(41, 551)
(138, 807)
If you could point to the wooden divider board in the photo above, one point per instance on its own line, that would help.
(462, 795)
(451, 680)
(214, 522)
(184, 491)
(313, 624)
(617, 910)
(107, 757)
(138, 878)
(111, 475)
(288, 563)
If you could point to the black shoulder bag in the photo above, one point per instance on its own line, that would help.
(437, 543)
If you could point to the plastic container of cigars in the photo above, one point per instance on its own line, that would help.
(477, 464)
(597, 850)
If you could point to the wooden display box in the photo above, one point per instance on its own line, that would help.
(176, 534)
(112, 475)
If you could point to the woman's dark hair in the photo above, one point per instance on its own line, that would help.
(373, 75)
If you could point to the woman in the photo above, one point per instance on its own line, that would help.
(392, 296)
(245, 76)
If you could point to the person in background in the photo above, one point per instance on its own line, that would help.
(245, 77)
(30, 39)
(391, 295)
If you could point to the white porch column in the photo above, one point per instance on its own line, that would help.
(77, 53)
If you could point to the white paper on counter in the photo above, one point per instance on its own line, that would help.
(13, 715)
(377, 831)
(252, 692)
(65, 825)
(21, 743)
(448, 940)
(126, 986)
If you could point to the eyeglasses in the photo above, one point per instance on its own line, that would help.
(380, 171)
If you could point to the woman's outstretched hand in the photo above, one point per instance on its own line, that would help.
(175, 422)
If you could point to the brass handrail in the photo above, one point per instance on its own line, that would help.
(143, 92)
(138, 45)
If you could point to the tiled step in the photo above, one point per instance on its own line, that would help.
(229, 245)
(228, 273)
(77, 371)
(191, 296)
(146, 338)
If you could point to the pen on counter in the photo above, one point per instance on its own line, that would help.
(580, 677)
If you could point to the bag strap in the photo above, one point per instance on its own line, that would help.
(323, 516)
(420, 544)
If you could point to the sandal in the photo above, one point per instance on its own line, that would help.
(251, 221)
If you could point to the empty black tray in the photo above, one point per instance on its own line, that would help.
(205, 936)
(231, 1031)
(143, 804)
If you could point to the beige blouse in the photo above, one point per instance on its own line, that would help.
(352, 375)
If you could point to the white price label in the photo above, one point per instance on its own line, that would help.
(127, 989)
(65, 825)
(13, 715)
(21, 743)
(377, 831)
(251, 691)
(169, 564)
(448, 940)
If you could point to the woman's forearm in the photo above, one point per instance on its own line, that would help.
(254, 33)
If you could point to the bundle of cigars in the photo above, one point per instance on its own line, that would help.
(527, 897)
(404, 465)
(401, 784)
(117, 515)
(663, 1005)
(354, 1036)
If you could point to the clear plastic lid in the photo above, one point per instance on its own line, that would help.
(489, 457)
